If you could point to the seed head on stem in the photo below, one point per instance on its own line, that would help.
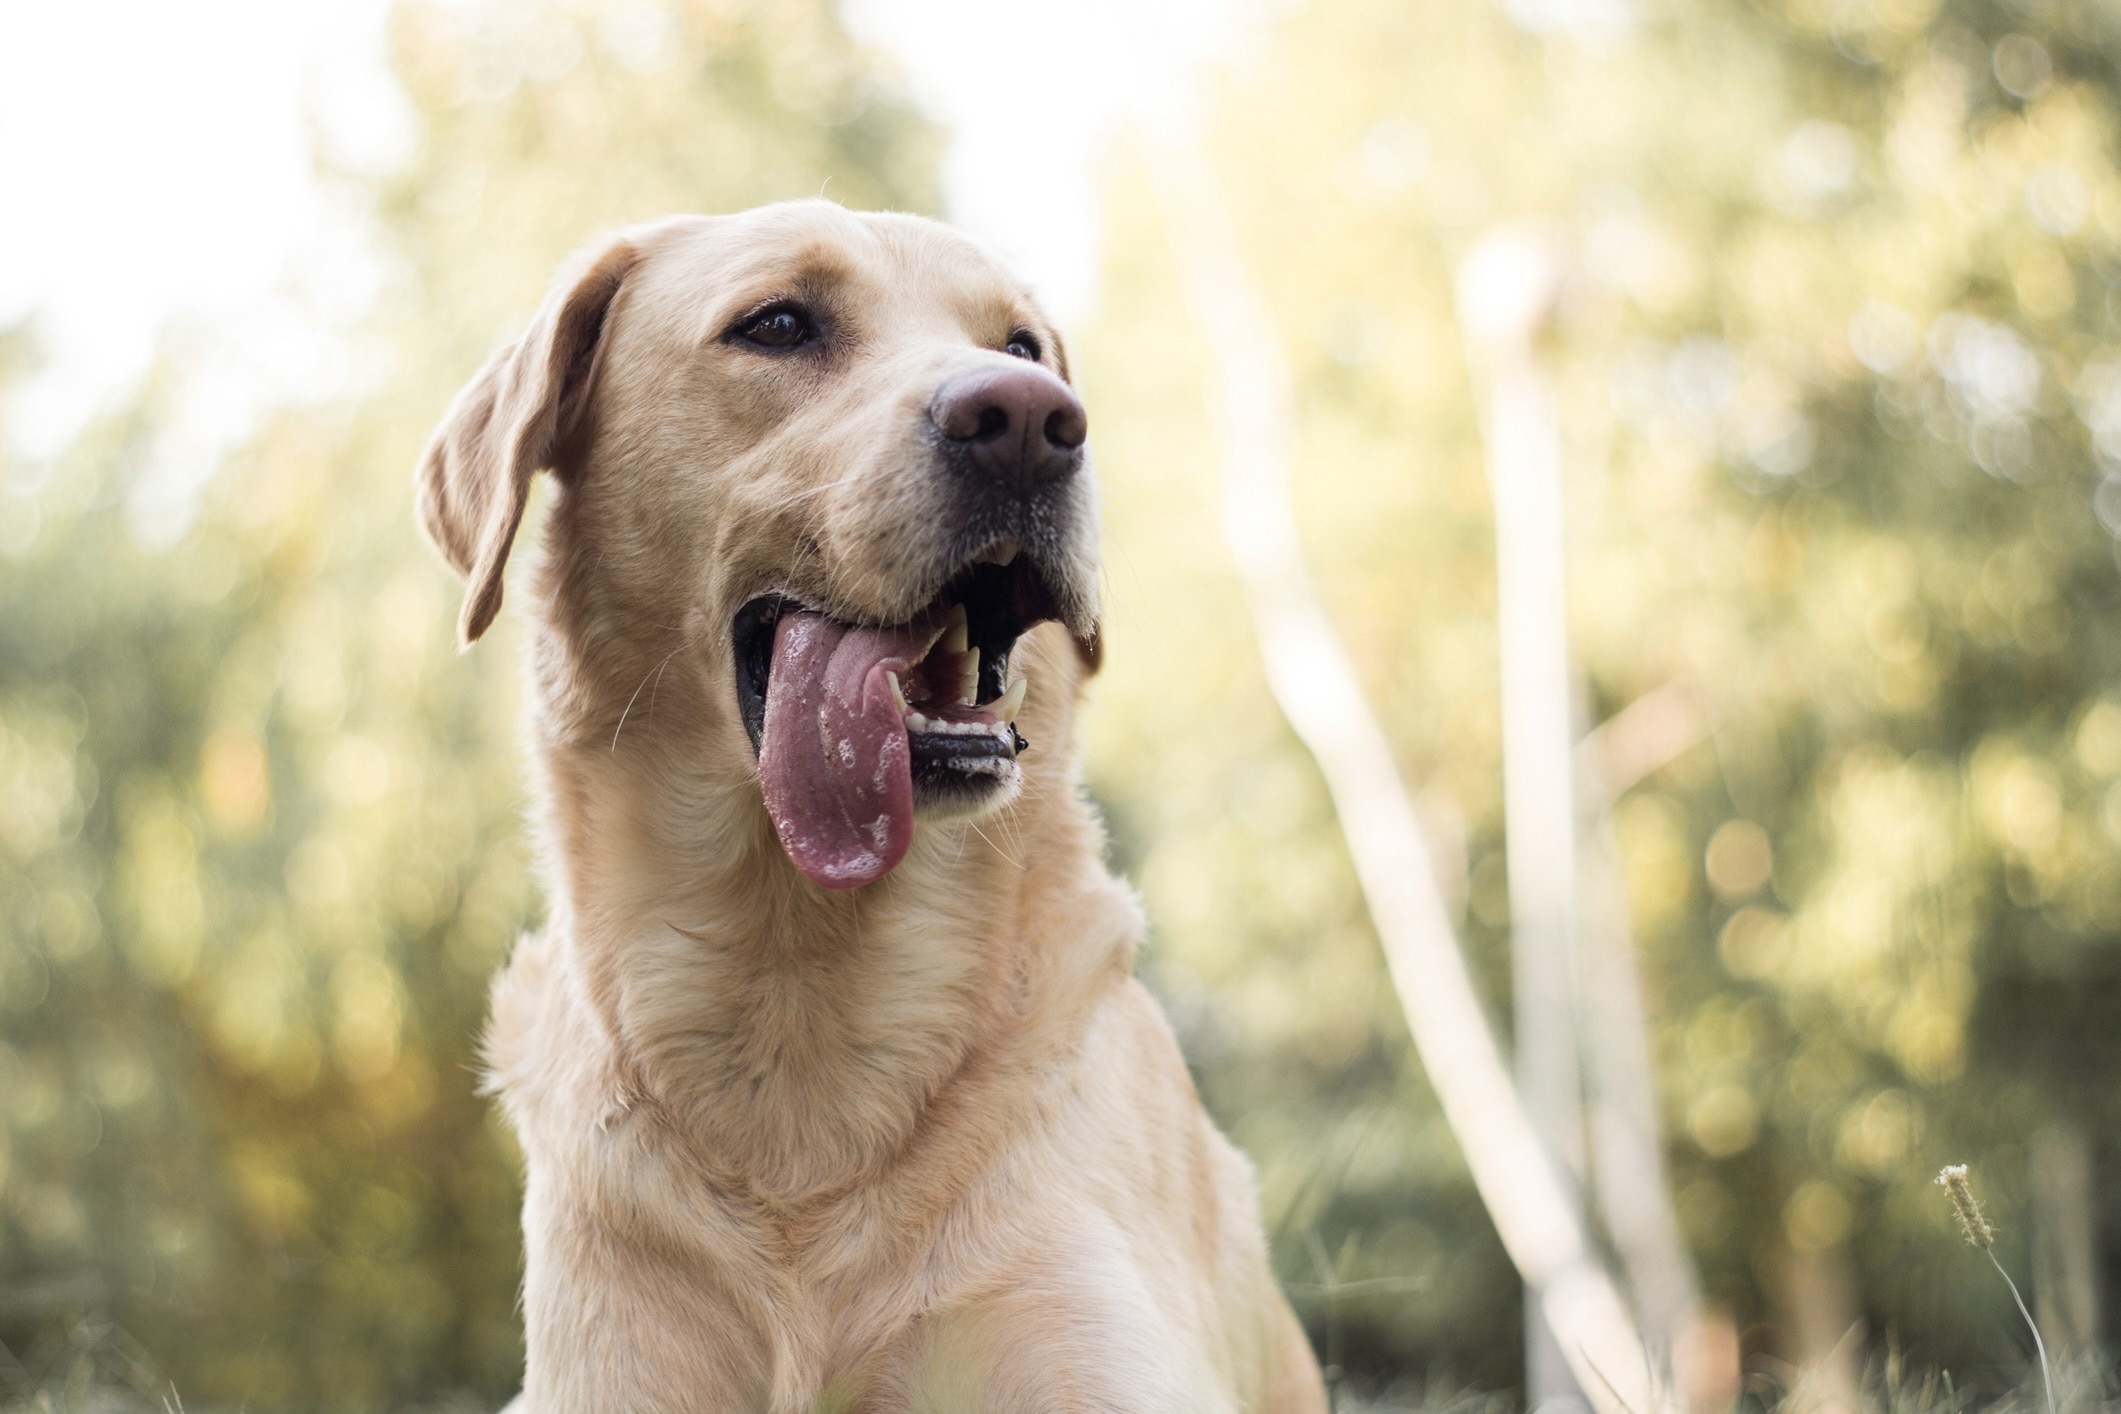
(1978, 1234)
(1973, 1226)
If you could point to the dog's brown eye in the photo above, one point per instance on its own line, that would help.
(782, 328)
(1022, 345)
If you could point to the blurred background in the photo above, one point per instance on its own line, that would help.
(1819, 302)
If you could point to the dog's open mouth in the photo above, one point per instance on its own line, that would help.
(856, 725)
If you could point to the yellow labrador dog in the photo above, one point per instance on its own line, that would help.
(834, 1082)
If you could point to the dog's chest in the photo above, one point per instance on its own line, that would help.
(883, 1301)
(765, 1317)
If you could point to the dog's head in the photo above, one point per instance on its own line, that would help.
(835, 460)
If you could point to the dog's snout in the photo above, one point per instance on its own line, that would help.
(1022, 425)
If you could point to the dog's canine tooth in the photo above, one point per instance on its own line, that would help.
(968, 678)
(954, 639)
(898, 693)
(1012, 701)
(915, 722)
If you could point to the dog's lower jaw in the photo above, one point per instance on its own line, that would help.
(974, 788)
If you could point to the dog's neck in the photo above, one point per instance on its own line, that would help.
(796, 1038)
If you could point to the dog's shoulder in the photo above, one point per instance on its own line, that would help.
(545, 1054)
(519, 1006)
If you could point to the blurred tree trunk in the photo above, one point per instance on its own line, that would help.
(1529, 1198)
(1821, 1325)
(1580, 1024)
(1627, 1143)
(2065, 1242)
(1505, 288)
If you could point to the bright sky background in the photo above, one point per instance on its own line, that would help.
(156, 166)
(156, 162)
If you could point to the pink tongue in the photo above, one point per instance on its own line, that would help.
(833, 758)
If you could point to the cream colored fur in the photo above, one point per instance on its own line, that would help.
(921, 1145)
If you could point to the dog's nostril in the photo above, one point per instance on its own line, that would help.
(993, 422)
(1067, 426)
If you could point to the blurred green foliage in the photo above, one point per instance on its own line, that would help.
(1840, 372)
(1841, 377)
(259, 835)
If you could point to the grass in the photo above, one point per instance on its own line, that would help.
(102, 1370)
(2084, 1387)
(99, 1370)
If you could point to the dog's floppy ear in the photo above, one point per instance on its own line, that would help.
(509, 422)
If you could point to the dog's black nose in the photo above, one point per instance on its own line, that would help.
(1022, 425)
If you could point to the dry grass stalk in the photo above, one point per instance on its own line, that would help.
(1974, 1227)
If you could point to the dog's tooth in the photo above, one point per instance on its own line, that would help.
(898, 693)
(1010, 702)
(915, 722)
(954, 639)
(968, 678)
